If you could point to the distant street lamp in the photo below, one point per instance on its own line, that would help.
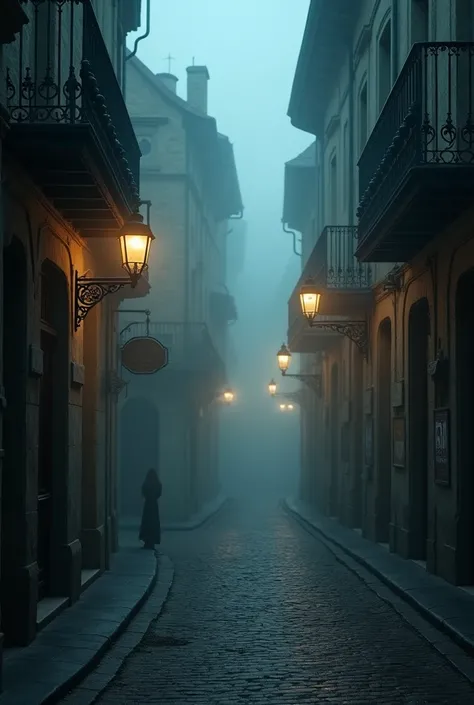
(284, 358)
(228, 396)
(310, 298)
(282, 407)
(272, 387)
(290, 407)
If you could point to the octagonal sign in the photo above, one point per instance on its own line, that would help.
(144, 355)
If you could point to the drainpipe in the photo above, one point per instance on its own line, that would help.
(351, 139)
(292, 232)
(395, 40)
(135, 46)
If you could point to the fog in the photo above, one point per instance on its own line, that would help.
(250, 48)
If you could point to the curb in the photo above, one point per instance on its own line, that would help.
(460, 639)
(200, 520)
(62, 690)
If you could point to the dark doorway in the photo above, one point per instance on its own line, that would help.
(464, 433)
(139, 451)
(53, 423)
(418, 350)
(334, 441)
(384, 433)
(14, 541)
(357, 436)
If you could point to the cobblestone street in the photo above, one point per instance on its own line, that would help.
(262, 612)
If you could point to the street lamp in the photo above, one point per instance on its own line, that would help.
(284, 358)
(135, 241)
(272, 387)
(290, 407)
(282, 407)
(135, 238)
(310, 298)
(228, 396)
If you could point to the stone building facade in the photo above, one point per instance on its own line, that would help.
(188, 172)
(385, 88)
(70, 177)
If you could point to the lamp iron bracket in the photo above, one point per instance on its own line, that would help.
(90, 291)
(314, 382)
(354, 330)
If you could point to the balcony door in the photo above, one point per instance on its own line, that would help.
(334, 443)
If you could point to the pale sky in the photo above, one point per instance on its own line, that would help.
(250, 48)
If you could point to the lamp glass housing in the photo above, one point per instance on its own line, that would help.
(284, 358)
(228, 396)
(310, 299)
(135, 241)
(272, 388)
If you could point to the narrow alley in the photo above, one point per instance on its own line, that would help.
(261, 611)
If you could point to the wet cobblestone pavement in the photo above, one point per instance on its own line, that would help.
(262, 612)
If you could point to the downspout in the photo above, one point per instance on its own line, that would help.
(186, 231)
(135, 46)
(351, 138)
(395, 41)
(292, 232)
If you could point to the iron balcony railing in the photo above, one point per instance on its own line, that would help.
(332, 262)
(427, 120)
(189, 345)
(59, 72)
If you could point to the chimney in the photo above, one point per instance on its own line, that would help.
(198, 76)
(169, 80)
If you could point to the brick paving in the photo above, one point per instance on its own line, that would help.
(262, 612)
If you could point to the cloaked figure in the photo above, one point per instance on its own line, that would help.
(150, 530)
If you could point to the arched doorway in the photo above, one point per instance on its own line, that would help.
(334, 441)
(357, 436)
(418, 352)
(15, 307)
(384, 432)
(464, 321)
(139, 451)
(53, 431)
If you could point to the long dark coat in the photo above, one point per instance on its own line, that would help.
(150, 529)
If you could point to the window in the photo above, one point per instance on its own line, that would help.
(145, 147)
(333, 190)
(363, 117)
(385, 64)
(419, 21)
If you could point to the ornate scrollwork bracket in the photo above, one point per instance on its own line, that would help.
(89, 292)
(313, 381)
(354, 330)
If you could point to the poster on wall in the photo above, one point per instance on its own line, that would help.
(442, 447)
(398, 440)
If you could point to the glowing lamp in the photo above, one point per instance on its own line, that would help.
(272, 387)
(284, 358)
(282, 407)
(135, 240)
(228, 396)
(310, 298)
(290, 407)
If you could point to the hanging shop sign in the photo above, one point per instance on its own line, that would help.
(144, 356)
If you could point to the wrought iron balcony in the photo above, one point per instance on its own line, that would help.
(345, 285)
(416, 173)
(190, 347)
(69, 122)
